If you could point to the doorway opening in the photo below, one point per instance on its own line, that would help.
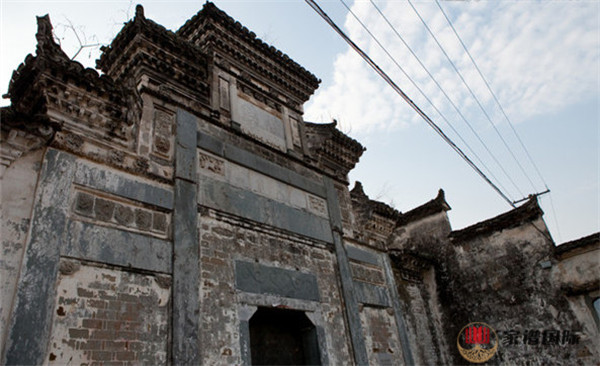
(283, 337)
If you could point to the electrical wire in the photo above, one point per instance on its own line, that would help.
(555, 218)
(472, 94)
(398, 90)
(444, 93)
(506, 117)
(493, 95)
(425, 95)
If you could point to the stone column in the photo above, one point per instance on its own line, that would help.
(186, 258)
(348, 291)
(404, 342)
(33, 309)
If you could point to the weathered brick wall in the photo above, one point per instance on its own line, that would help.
(576, 270)
(84, 210)
(500, 279)
(106, 316)
(381, 336)
(579, 271)
(17, 194)
(383, 328)
(422, 313)
(427, 236)
(225, 239)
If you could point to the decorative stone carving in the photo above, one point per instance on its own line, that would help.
(224, 101)
(163, 134)
(211, 164)
(67, 267)
(295, 132)
(112, 211)
(317, 204)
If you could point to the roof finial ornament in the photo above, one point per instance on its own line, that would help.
(441, 195)
(139, 11)
(358, 188)
(44, 31)
(45, 38)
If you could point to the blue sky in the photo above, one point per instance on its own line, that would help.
(542, 60)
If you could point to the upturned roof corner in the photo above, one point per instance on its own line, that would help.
(335, 151)
(434, 206)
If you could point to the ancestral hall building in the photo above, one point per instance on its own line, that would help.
(177, 209)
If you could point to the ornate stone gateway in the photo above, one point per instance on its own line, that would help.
(177, 209)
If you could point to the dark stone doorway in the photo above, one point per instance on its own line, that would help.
(283, 337)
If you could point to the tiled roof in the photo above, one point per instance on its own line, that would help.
(513, 218)
(438, 204)
(210, 11)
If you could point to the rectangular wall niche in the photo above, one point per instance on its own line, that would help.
(106, 316)
(283, 337)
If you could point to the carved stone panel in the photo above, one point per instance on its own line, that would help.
(211, 164)
(107, 210)
(317, 205)
(162, 138)
(224, 101)
(261, 124)
(295, 132)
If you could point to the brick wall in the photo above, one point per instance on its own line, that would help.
(381, 336)
(422, 315)
(107, 316)
(225, 239)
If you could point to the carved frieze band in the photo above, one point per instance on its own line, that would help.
(263, 185)
(410, 267)
(92, 115)
(101, 208)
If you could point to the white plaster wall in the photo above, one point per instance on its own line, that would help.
(578, 270)
(17, 188)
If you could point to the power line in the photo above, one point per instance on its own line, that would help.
(425, 95)
(493, 95)
(472, 94)
(443, 92)
(430, 102)
(509, 122)
(397, 89)
(555, 217)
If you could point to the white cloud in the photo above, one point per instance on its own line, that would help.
(538, 57)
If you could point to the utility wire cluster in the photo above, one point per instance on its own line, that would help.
(477, 161)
